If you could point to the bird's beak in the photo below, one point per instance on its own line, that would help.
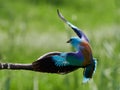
(69, 41)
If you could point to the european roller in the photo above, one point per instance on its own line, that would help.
(63, 62)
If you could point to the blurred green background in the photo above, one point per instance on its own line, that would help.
(31, 28)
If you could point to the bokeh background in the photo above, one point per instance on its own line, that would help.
(31, 28)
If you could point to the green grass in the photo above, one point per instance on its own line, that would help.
(29, 29)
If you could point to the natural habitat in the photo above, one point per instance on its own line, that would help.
(31, 28)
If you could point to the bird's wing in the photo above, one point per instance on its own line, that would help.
(53, 63)
(75, 29)
(75, 59)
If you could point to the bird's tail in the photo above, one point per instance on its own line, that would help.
(95, 63)
(89, 71)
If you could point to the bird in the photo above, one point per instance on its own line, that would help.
(64, 62)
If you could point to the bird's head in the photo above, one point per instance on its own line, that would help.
(75, 42)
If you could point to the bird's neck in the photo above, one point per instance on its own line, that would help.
(77, 47)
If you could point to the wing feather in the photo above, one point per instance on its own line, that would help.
(46, 64)
(75, 29)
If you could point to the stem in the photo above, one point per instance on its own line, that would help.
(15, 66)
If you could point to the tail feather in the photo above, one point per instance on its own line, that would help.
(89, 71)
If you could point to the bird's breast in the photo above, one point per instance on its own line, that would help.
(87, 54)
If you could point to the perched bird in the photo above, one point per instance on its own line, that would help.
(63, 62)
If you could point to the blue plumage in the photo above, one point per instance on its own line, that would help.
(59, 62)
(74, 28)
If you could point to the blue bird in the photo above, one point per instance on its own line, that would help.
(65, 62)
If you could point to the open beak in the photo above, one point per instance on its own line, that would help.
(69, 41)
